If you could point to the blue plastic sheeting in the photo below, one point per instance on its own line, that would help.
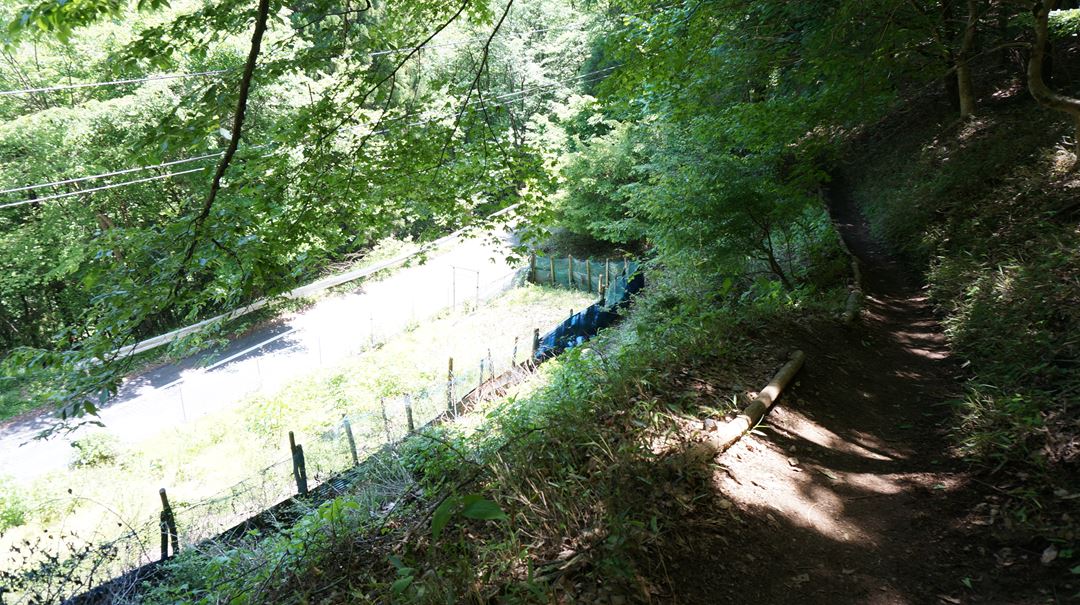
(584, 325)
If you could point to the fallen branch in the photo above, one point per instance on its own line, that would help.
(730, 432)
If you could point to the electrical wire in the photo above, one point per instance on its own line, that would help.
(216, 72)
(391, 51)
(520, 95)
(507, 99)
(100, 188)
(587, 78)
(108, 174)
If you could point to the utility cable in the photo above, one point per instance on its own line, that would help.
(108, 174)
(100, 188)
(506, 98)
(216, 72)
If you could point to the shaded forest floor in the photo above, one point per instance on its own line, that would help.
(850, 492)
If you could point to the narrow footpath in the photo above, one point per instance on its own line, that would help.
(849, 493)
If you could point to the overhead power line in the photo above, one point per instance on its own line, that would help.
(506, 98)
(25, 91)
(108, 174)
(100, 188)
(409, 49)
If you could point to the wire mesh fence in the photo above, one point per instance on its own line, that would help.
(69, 565)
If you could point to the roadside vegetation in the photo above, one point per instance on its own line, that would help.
(240, 455)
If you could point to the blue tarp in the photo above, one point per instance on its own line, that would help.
(584, 325)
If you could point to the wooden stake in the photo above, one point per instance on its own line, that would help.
(385, 420)
(352, 441)
(408, 413)
(851, 309)
(570, 273)
(299, 466)
(168, 527)
(588, 275)
(480, 384)
(551, 261)
(450, 407)
(532, 267)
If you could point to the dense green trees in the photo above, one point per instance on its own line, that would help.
(711, 138)
(363, 121)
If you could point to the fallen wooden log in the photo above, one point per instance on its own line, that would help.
(730, 432)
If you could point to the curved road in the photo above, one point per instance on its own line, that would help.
(336, 326)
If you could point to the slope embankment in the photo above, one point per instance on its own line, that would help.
(852, 492)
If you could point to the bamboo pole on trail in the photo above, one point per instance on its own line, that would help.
(729, 433)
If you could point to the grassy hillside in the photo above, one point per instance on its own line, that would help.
(987, 208)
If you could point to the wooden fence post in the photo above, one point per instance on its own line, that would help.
(450, 387)
(607, 270)
(168, 527)
(408, 413)
(551, 261)
(299, 467)
(481, 382)
(352, 442)
(570, 274)
(588, 276)
(385, 419)
(532, 267)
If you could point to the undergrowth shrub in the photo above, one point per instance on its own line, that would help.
(96, 449)
(14, 507)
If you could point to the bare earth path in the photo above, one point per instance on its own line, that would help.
(850, 493)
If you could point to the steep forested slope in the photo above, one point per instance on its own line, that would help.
(715, 144)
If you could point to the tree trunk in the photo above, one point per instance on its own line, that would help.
(1037, 86)
(964, 87)
(965, 90)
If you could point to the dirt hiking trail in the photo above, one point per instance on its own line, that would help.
(850, 494)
